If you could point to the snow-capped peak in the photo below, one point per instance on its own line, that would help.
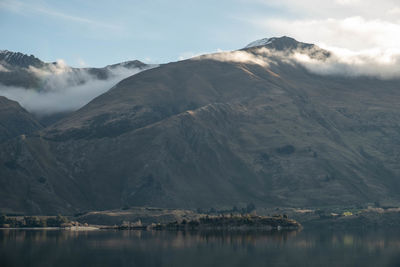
(260, 42)
(279, 43)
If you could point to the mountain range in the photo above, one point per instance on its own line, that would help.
(21, 70)
(219, 130)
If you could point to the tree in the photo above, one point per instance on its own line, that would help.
(57, 221)
(13, 222)
(62, 219)
(32, 221)
(52, 222)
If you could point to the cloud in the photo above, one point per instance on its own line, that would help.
(187, 55)
(394, 11)
(3, 69)
(378, 63)
(190, 54)
(364, 35)
(239, 57)
(343, 62)
(339, 9)
(63, 88)
(352, 24)
(353, 33)
(81, 63)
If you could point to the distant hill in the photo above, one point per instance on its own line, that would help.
(21, 70)
(15, 121)
(37, 84)
(219, 130)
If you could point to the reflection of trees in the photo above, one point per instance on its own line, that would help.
(187, 239)
(200, 248)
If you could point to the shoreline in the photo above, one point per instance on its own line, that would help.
(74, 228)
(221, 222)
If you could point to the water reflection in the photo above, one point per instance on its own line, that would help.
(220, 248)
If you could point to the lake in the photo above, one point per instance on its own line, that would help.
(170, 248)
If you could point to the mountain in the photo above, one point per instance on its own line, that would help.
(14, 69)
(288, 45)
(280, 43)
(219, 131)
(15, 121)
(27, 71)
(36, 85)
(17, 59)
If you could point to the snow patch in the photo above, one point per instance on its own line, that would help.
(261, 42)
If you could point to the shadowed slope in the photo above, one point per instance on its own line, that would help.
(206, 133)
(14, 120)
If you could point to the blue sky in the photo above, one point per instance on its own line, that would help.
(97, 33)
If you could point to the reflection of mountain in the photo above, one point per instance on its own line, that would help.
(215, 131)
(158, 248)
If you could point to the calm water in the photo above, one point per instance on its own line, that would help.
(154, 248)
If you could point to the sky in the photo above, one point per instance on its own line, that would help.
(98, 32)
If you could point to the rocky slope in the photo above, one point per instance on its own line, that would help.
(15, 121)
(215, 131)
(27, 71)
(36, 85)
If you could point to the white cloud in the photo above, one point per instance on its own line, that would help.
(395, 11)
(354, 32)
(239, 57)
(368, 9)
(343, 62)
(189, 54)
(3, 69)
(383, 64)
(50, 102)
(363, 35)
(63, 88)
(81, 63)
(351, 24)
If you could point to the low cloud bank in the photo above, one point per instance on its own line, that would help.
(3, 69)
(377, 63)
(260, 58)
(64, 89)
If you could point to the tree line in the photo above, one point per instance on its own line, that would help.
(32, 221)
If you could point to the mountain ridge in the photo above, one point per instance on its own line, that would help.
(19, 59)
(211, 132)
(19, 69)
(15, 121)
